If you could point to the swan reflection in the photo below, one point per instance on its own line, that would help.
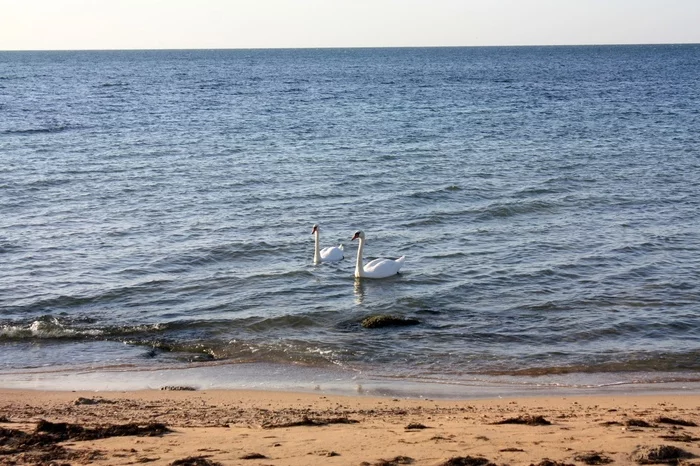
(359, 291)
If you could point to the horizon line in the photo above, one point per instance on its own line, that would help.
(346, 47)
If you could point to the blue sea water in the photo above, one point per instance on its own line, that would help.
(156, 211)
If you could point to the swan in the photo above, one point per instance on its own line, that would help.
(330, 254)
(378, 268)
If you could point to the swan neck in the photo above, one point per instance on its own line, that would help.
(359, 270)
(317, 249)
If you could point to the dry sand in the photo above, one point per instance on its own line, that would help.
(232, 427)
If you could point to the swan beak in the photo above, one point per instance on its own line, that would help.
(355, 237)
(314, 230)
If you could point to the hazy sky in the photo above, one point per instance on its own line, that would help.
(146, 24)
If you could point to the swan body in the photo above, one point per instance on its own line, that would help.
(329, 254)
(377, 268)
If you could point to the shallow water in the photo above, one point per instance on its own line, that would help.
(157, 208)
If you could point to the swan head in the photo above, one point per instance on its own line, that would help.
(358, 234)
(315, 229)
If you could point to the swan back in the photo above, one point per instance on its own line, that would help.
(332, 253)
(377, 268)
(329, 254)
(382, 268)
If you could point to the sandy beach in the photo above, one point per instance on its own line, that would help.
(231, 427)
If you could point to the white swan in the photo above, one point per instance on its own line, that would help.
(330, 254)
(378, 268)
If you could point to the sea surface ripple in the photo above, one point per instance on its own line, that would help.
(156, 210)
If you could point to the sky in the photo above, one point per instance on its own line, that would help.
(196, 24)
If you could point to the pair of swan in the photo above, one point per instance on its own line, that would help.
(378, 268)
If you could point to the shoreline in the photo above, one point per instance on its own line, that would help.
(338, 381)
(291, 428)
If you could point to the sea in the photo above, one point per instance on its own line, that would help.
(156, 210)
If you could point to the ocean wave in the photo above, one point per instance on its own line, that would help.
(435, 194)
(285, 322)
(113, 84)
(639, 363)
(46, 328)
(254, 250)
(8, 246)
(437, 217)
(448, 255)
(534, 191)
(104, 296)
(79, 327)
(279, 274)
(50, 129)
(239, 351)
(502, 210)
(47, 182)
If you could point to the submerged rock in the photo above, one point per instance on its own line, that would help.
(386, 320)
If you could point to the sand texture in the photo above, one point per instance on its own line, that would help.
(177, 427)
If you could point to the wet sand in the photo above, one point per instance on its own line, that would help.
(231, 427)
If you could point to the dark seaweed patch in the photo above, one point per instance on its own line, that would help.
(178, 388)
(664, 454)
(676, 422)
(253, 456)
(195, 461)
(593, 458)
(467, 461)
(392, 462)
(40, 446)
(548, 462)
(416, 426)
(399, 460)
(682, 437)
(637, 423)
(527, 420)
(307, 421)
(62, 431)
(92, 401)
